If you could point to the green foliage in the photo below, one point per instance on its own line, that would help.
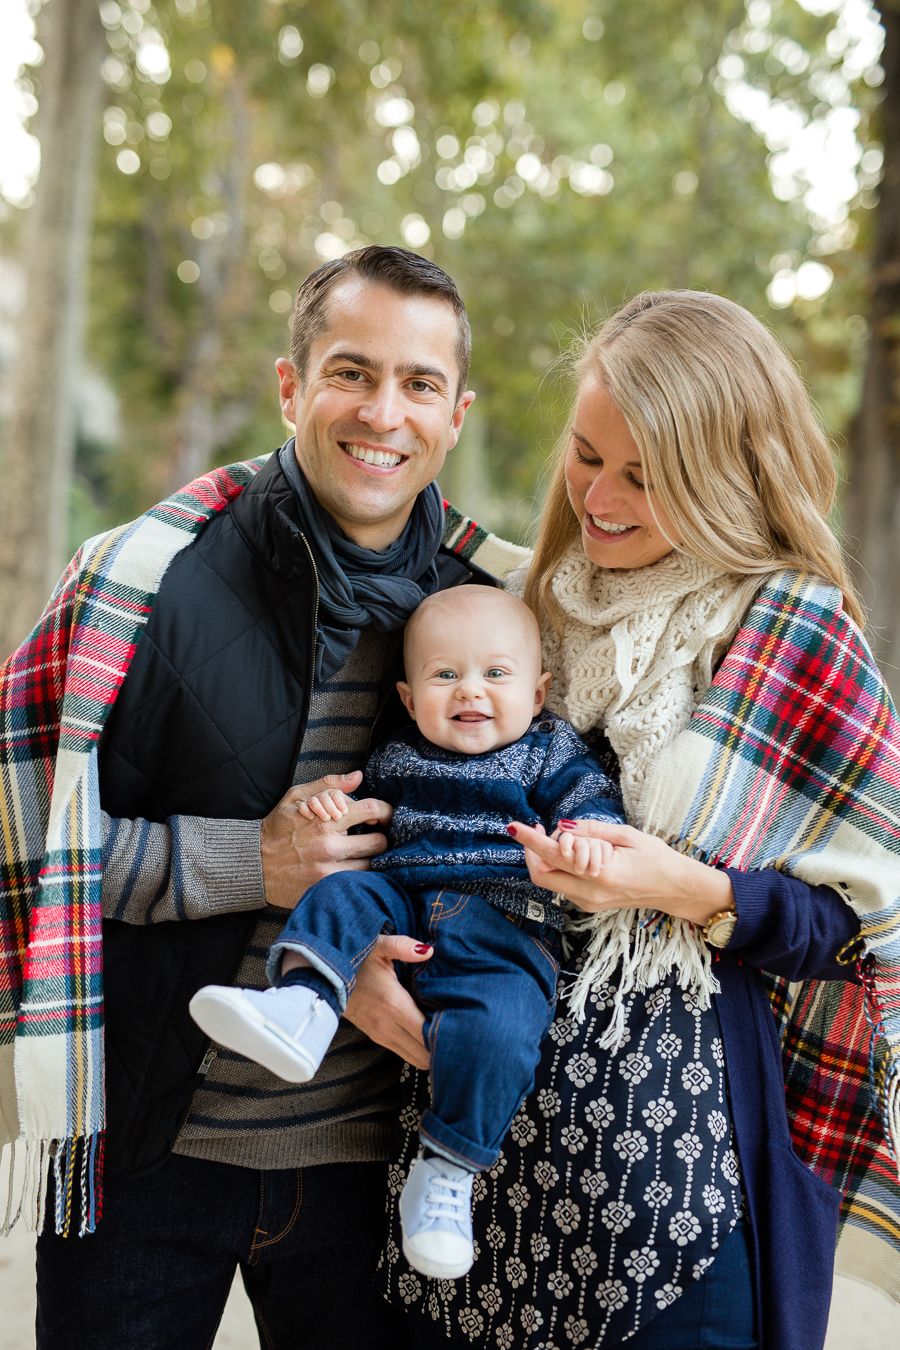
(635, 176)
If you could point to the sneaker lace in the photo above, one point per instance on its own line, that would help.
(316, 1010)
(448, 1198)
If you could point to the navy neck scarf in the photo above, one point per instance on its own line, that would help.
(357, 586)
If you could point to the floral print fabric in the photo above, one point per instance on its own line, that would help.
(617, 1183)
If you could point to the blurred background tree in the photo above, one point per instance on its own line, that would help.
(556, 156)
(40, 432)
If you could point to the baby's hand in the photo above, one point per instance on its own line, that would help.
(330, 805)
(580, 855)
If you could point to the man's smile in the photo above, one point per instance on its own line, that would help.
(377, 457)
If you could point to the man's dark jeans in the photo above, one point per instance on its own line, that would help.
(156, 1273)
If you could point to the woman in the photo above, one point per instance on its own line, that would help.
(700, 624)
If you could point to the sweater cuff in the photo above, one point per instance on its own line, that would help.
(232, 865)
(753, 903)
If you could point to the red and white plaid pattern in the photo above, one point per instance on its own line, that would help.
(55, 695)
(56, 692)
(792, 760)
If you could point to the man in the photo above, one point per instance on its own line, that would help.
(268, 659)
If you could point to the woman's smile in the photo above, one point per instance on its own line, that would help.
(608, 527)
(605, 531)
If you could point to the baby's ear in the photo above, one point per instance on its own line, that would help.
(405, 693)
(540, 693)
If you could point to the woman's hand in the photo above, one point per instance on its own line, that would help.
(381, 1007)
(631, 870)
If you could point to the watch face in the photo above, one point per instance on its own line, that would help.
(720, 931)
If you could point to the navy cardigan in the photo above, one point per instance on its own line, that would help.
(793, 930)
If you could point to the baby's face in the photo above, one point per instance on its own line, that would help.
(474, 680)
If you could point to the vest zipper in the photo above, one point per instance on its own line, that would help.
(207, 1063)
(315, 628)
(384, 703)
(211, 1054)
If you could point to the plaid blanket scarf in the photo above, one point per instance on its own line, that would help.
(56, 692)
(792, 760)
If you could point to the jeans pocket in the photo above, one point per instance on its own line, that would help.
(443, 907)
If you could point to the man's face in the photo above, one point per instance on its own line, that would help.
(377, 409)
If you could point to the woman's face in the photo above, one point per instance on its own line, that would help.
(606, 486)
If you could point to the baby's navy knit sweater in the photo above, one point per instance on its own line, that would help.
(451, 810)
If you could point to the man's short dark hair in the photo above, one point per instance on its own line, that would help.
(396, 268)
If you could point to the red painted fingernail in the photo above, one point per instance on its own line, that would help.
(568, 824)
(422, 948)
(511, 829)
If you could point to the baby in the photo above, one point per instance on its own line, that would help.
(479, 756)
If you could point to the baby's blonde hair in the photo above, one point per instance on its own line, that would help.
(727, 437)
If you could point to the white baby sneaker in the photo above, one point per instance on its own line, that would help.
(436, 1218)
(285, 1030)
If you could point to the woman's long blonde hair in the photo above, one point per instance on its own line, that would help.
(727, 436)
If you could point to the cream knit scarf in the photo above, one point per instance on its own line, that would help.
(636, 657)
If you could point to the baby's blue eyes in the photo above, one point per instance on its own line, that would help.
(495, 673)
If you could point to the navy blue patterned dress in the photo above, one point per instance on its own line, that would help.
(617, 1183)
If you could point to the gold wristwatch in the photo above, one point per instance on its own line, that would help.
(720, 928)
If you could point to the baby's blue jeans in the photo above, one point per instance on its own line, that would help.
(488, 993)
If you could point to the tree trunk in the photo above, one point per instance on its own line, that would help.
(205, 422)
(872, 499)
(38, 450)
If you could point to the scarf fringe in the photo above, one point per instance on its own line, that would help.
(648, 946)
(24, 1166)
(78, 1174)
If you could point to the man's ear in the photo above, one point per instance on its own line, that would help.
(459, 414)
(405, 693)
(540, 693)
(289, 387)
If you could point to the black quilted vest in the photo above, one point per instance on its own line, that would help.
(208, 722)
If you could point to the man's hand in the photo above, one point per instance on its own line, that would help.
(298, 851)
(381, 1007)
